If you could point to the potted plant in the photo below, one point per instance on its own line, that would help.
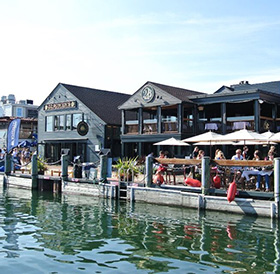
(41, 165)
(126, 167)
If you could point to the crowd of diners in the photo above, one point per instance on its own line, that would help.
(241, 175)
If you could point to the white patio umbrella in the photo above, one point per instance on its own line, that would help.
(215, 143)
(243, 135)
(266, 142)
(268, 134)
(204, 137)
(208, 138)
(171, 142)
(275, 137)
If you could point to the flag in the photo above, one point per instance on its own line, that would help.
(13, 134)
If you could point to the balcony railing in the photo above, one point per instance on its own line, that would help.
(169, 127)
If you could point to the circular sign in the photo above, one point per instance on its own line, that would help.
(82, 128)
(148, 94)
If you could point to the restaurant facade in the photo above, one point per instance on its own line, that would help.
(81, 122)
(159, 112)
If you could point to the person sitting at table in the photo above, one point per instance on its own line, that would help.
(236, 169)
(162, 167)
(266, 172)
(220, 156)
(253, 171)
(216, 153)
(237, 155)
(245, 152)
(195, 152)
(200, 154)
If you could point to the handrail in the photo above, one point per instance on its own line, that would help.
(245, 163)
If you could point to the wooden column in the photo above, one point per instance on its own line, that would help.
(180, 117)
(159, 128)
(257, 115)
(123, 122)
(224, 117)
(274, 116)
(140, 120)
(195, 119)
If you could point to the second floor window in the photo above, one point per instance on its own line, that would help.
(63, 122)
(49, 123)
(77, 117)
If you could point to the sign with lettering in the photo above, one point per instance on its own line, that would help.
(62, 105)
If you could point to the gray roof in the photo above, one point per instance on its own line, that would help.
(273, 87)
(103, 103)
(179, 93)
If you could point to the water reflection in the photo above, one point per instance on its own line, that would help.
(47, 233)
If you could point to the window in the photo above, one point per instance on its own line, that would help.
(49, 123)
(59, 122)
(77, 117)
(68, 122)
(19, 112)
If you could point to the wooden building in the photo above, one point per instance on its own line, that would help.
(82, 120)
(154, 113)
(160, 112)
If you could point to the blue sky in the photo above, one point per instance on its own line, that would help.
(118, 45)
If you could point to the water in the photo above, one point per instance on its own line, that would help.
(43, 233)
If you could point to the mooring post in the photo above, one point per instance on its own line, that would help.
(205, 175)
(64, 167)
(149, 170)
(103, 168)
(7, 168)
(8, 164)
(277, 184)
(34, 171)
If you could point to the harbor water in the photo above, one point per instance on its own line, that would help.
(45, 233)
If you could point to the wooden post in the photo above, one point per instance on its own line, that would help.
(205, 176)
(64, 167)
(7, 168)
(277, 184)
(149, 170)
(34, 171)
(8, 164)
(103, 168)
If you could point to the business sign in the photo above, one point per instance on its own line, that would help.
(82, 128)
(13, 134)
(62, 105)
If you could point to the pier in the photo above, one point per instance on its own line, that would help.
(205, 197)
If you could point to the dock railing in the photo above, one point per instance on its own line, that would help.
(206, 164)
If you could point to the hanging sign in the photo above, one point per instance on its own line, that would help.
(82, 128)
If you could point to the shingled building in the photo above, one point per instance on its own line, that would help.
(82, 120)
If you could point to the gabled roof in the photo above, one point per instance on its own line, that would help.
(273, 87)
(103, 103)
(179, 93)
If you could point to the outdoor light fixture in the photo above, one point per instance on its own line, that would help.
(200, 108)
(260, 101)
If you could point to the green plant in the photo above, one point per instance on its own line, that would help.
(127, 166)
(41, 164)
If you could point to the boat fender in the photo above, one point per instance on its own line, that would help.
(231, 191)
(158, 179)
(217, 181)
(192, 182)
